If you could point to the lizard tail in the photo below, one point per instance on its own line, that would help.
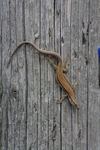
(38, 49)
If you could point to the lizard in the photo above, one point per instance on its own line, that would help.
(60, 76)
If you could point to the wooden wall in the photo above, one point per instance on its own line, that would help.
(30, 118)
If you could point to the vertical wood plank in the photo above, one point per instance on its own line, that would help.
(33, 67)
(44, 75)
(14, 104)
(20, 137)
(82, 136)
(57, 96)
(14, 79)
(93, 99)
(36, 67)
(98, 45)
(30, 84)
(44, 101)
(65, 53)
(17, 106)
(0, 75)
(5, 73)
(50, 46)
(74, 70)
(50, 71)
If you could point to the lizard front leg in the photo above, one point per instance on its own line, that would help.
(59, 102)
(66, 68)
(55, 67)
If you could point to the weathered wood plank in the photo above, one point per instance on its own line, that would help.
(43, 84)
(46, 98)
(80, 59)
(98, 45)
(13, 81)
(22, 83)
(93, 90)
(57, 96)
(49, 36)
(74, 68)
(82, 137)
(33, 67)
(65, 52)
(36, 66)
(15, 118)
(5, 73)
(0, 74)
(51, 74)
(31, 124)
(30, 115)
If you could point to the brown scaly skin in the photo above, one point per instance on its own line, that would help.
(60, 77)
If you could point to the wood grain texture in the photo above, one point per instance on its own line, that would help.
(93, 93)
(0, 78)
(30, 118)
(66, 109)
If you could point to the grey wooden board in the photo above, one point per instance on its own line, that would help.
(0, 81)
(31, 118)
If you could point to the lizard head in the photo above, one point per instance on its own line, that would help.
(74, 103)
